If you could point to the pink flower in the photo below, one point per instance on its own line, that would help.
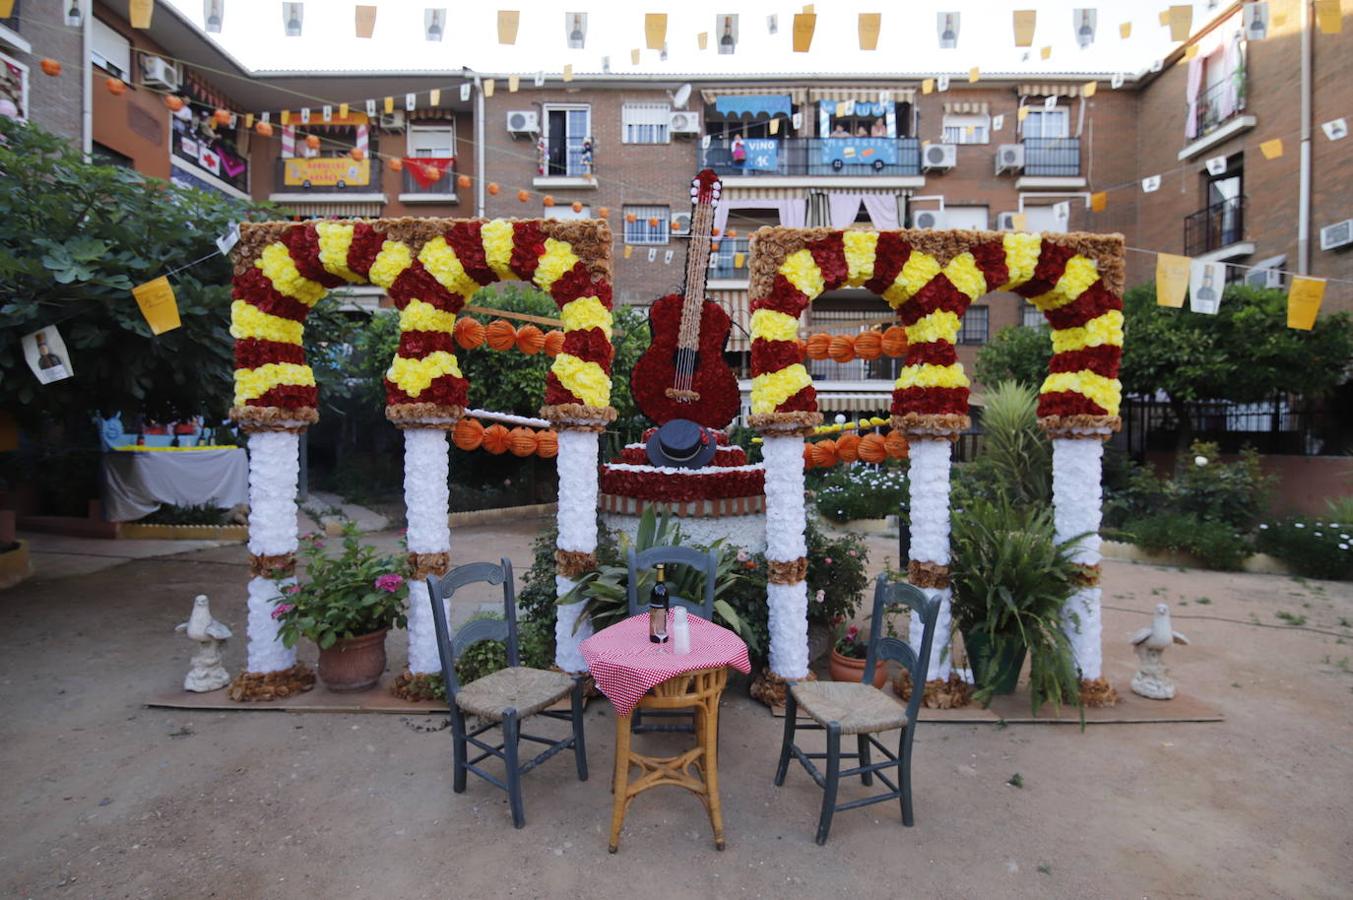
(742, 556)
(282, 609)
(820, 596)
(852, 632)
(390, 582)
(828, 560)
(853, 554)
(292, 589)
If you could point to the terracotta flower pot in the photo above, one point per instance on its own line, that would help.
(845, 668)
(354, 664)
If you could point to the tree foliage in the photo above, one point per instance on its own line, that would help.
(1017, 353)
(74, 239)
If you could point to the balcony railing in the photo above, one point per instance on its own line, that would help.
(1052, 157)
(420, 183)
(815, 156)
(328, 175)
(214, 157)
(723, 261)
(1214, 227)
(1219, 104)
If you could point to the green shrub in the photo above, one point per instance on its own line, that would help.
(482, 658)
(861, 491)
(1315, 548)
(1234, 493)
(1015, 460)
(1216, 545)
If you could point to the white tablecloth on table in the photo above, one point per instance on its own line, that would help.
(137, 482)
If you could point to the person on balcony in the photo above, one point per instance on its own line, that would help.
(840, 131)
(739, 150)
(879, 129)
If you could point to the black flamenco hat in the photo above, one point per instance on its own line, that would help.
(682, 444)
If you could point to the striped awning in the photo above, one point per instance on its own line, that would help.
(339, 209)
(762, 193)
(1049, 90)
(430, 114)
(962, 107)
(712, 95)
(734, 302)
(865, 93)
(856, 402)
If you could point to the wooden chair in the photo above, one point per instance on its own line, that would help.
(841, 707)
(701, 560)
(503, 698)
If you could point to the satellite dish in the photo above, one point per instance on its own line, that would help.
(682, 94)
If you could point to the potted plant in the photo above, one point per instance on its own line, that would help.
(848, 657)
(345, 605)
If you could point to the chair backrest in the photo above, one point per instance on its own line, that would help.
(883, 648)
(449, 648)
(705, 561)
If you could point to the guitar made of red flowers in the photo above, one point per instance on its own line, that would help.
(682, 374)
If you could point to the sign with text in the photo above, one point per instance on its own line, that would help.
(327, 171)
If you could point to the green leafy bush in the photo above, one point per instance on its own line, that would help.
(1204, 487)
(861, 491)
(484, 657)
(1016, 353)
(1217, 545)
(1315, 548)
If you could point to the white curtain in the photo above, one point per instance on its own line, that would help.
(842, 208)
(1191, 95)
(1230, 97)
(882, 209)
(792, 214)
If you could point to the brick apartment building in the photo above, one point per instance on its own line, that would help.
(878, 151)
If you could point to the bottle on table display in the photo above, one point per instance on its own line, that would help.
(658, 603)
(681, 631)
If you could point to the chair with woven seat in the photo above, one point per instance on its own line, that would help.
(858, 708)
(504, 698)
(705, 561)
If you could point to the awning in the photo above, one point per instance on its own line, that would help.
(754, 105)
(711, 95)
(735, 304)
(862, 93)
(963, 107)
(1049, 90)
(430, 114)
(357, 210)
(881, 402)
(754, 192)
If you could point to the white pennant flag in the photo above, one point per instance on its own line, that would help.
(305, 115)
(997, 123)
(1206, 282)
(371, 108)
(1116, 81)
(465, 92)
(327, 113)
(1150, 184)
(667, 257)
(410, 102)
(1216, 165)
(652, 254)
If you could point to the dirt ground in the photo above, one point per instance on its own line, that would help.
(106, 798)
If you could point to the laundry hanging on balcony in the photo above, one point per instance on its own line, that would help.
(754, 105)
(428, 170)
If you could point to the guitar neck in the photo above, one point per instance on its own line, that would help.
(697, 271)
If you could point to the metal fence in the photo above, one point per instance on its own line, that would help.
(1280, 426)
(1052, 157)
(1215, 226)
(1220, 103)
(816, 156)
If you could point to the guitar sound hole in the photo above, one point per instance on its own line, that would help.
(687, 360)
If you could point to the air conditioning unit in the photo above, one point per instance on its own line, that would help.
(523, 122)
(928, 218)
(1009, 158)
(1340, 234)
(1264, 278)
(156, 72)
(939, 156)
(683, 122)
(681, 223)
(392, 121)
(1005, 221)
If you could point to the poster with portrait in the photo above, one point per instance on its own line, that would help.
(575, 30)
(1207, 280)
(46, 355)
(726, 32)
(13, 89)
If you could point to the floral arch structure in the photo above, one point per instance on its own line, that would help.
(429, 268)
(929, 278)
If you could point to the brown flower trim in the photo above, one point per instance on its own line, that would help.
(789, 572)
(919, 426)
(415, 688)
(1098, 692)
(785, 423)
(574, 563)
(1086, 576)
(590, 239)
(927, 574)
(1083, 427)
(424, 415)
(578, 416)
(770, 688)
(249, 687)
(273, 418)
(939, 693)
(277, 565)
(424, 565)
(1109, 252)
(254, 237)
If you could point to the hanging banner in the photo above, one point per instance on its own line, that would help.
(1272, 149)
(869, 27)
(156, 299)
(655, 30)
(946, 24)
(508, 20)
(1025, 21)
(804, 25)
(1085, 20)
(763, 155)
(139, 12)
(1328, 18)
(366, 21)
(46, 355)
(326, 171)
(575, 30)
(1099, 201)
(726, 27)
(1180, 19)
(1172, 279)
(1256, 20)
(1303, 301)
(1207, 280)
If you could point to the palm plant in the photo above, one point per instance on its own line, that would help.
(1016, 458)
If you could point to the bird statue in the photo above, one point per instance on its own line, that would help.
(207, 672)
(1152, 679)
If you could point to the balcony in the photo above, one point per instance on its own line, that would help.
(1217, 232)
(723, 261)
(423, 187)
(1052, 157)
(209, 160)
(1218, 115)
(816, 157)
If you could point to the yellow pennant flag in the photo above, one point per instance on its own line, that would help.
(634, 57)
(629, 250)
(739, 259)
(1181, 21)
(927, 86)
(773, 126)
(286, 117)
(1172, 279)
(1125, 30)
(974, 75)
(513, 83)
(869, 26)
(389, 105)
(342, 110)
(1019, 222)
(1189, 53)
(804, 25)
(139, 12)
(568, 72)
(489, 85)
(434, 99)
(156, 299)
(1099, 201)
(1045, 53)
(1024, 20)
(1303, 302)
(1272, 149)
(1327, 17)
(1022, 113)
(1089, 88)
(1164, 17)
(6, 8)
(702, 40)
(655, 30)
(508, 20)
(248, 121)
(366, 21)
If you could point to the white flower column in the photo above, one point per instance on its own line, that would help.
(929, 475)
(785, 521)
(577, 465)
(427, 504)
(274, 467)
(1077, 464)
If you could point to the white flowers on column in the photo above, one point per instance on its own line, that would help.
(929, 475)
(577, 466)
(427, 504)
(1076, 496)
(785, 519)
(274, 467)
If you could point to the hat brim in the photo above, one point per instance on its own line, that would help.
(657, 455)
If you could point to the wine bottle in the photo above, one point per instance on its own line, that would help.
(658, 603)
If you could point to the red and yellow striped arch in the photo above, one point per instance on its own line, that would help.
(930, 278)
(429, 268)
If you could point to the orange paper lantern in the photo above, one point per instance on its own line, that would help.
(174, 103)
(554, 342)
(493, 188)
(469, 333)
(732, 232)
(116, 86)
(547, 444)
(842, 348)
(652, 221)
(523, 195)
(714, 232)
(873, 448)
(50, 67)
(895, 340)
(803, 350)
(549, 200)
(501, 334)
(631, 218)
(848, 447)
(897, 445)
(869, 345)
(496, 439)
(221, 117)
(603, 212)
(809, 457)
(523, 442)
(396, 164)
(824, 452)
(530, 340)
(463, 181)
(576, 206)
(312, 141)
(357, 153)
(468, 434)
(263, 129)
(819, 346)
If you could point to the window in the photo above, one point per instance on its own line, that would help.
(646, 123)
(566, 129)
(566, 212)
(974, 217)
(974, 327)
(651, 225)
(1044, 218)
(968, 128)
(434, 141)
(110, 51)
(1047, 123)
(1031, 316)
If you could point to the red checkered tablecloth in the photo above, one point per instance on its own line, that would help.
(626, 665)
